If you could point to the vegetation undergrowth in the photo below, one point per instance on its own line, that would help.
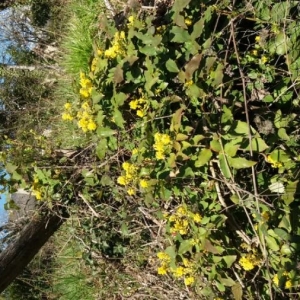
(187, 163)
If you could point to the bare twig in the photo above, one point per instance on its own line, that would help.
(90, 207)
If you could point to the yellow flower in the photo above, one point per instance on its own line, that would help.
(110, 53)
(188, 22)
(189, 83)
(276, 280)
(288, 284)
(164, 256)
(264, 59)
(85, 92)
(140, 113)
(85, 106)
(257, 38)
(135, 151)
(131, 192)
(274, 164)
(91, 125)
(66, 117)
(197, 218)
(181, 211)
(246, 263)
(99, 52)
(37, 194)
(178, 272)
(162, 270)
(122, 180)
(122, 35)
(189, 280)
(254, 52)
(134, 104)
(131, 20)
(68, 106)
(265, 216)
(144, 183)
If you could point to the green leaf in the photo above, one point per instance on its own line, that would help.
(282, 234)
(10, 168)
(229, 260)
(291, 189)
(181, 137)
(231, 148)
(148, 50)
(101, 148)
(220, 286)
(227, 281)
(203, 157)
(237, 291)
(171, 66)
(285, 223)
(215, 145)
(185, 246)
(241, 128)
(235, 199)
(105, 131)
(179, 20)
(180, 35)
(217, 75)
(224, 167)
(197, 138)
(240, 162)
(119, 99)
(118, 118)
(272, 243)
(179, 5)
(171, 252)
(282, 134)
(176, 120)
(106, 180)
(227, 115)
(258, 145)
(96, 96)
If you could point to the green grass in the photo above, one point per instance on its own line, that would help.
(78, 42)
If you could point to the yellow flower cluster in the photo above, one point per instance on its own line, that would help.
(85, 118)
(131, 178)
(37, 189)
(67, 116)
(162, 145)
(188, 22)
(249, 261)
(118, 46)
(86, 86)
(274, 164)
(181, 220)
(164, 263)
(140, 105)
(131, 21)
(286, 276)
(184, 270)
(95, 60)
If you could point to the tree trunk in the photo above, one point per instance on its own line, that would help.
(19, 253)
